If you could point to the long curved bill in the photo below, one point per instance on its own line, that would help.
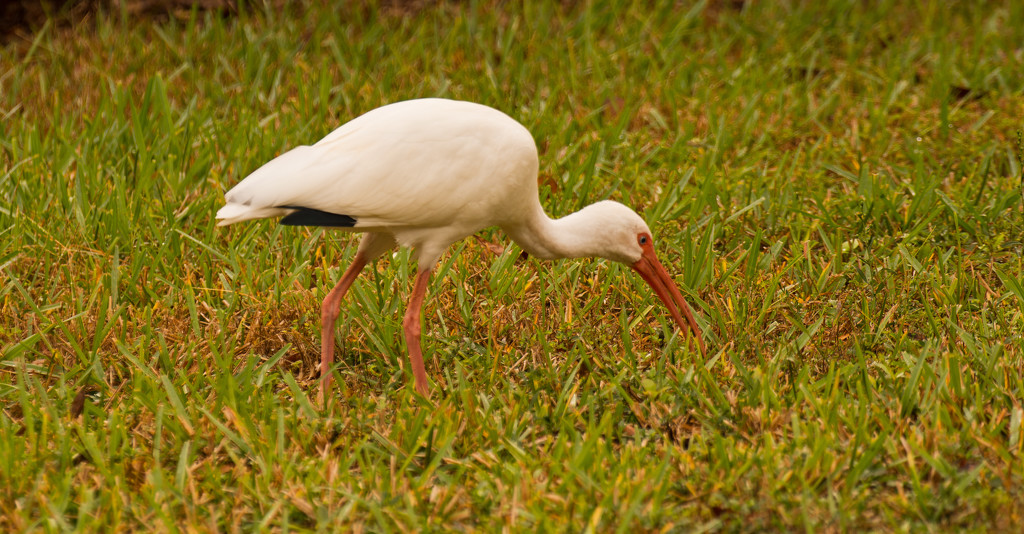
(658, 278)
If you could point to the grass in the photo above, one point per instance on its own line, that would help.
(837, 187)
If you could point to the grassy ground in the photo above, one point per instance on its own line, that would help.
(837, 187)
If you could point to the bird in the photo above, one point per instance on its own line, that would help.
(425, 174)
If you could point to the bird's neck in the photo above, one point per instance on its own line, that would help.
(550, 239)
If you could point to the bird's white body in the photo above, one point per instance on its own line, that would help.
(428, 172)
(424, 174)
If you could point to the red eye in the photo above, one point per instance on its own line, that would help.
(643, 239)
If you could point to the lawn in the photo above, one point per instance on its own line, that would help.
(836, 186)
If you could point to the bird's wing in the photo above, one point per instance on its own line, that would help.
(398, 167)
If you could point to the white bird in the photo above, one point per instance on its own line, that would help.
(424, 174)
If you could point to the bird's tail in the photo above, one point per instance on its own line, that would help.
(232, 213)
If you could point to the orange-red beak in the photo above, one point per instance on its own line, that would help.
(658, 278)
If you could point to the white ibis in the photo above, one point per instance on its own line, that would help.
(424, 174)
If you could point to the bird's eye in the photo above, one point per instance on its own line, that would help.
(643, 239)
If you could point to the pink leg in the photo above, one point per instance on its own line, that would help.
(412, 325)
(328, 318)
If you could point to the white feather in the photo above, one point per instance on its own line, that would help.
(419, 163)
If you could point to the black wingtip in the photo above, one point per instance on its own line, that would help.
(310, 217)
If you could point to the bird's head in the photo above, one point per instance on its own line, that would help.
(624, 237)
(618, 237)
